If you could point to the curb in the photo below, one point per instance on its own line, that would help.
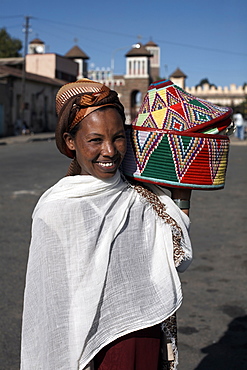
(23, 139)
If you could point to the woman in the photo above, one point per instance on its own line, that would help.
(101, 277)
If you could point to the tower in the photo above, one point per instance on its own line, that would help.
(36, 46)
(137, 79)
(154, 49)
(178, 78)
(81, 58)
(138, 62)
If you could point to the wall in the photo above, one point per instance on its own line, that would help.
(126, 89)
(226, 96)
(41, 64)
(52, 66)
(39, 113)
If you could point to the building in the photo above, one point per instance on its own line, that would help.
(36, 111)
(46, 72)
(231, 96)
(52, 65)
(27, 98)
(142, 68)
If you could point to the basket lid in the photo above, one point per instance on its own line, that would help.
(167, 106)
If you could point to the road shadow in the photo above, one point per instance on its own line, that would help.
(230, 352)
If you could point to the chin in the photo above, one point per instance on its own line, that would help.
(106, 175)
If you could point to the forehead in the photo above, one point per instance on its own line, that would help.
(107, 119)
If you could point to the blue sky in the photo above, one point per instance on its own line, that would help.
(205, 39)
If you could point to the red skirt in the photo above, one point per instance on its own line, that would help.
(139, 350)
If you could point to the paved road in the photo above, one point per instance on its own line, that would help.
(212, 323)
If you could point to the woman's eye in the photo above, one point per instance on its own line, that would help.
(96, 139)
(120, 137)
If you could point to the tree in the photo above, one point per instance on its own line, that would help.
(205, 81)
(9, 46)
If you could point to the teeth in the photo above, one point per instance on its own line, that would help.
(104, 164)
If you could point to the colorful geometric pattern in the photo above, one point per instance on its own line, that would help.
(197, 162)
(166, 143)
(167, 106)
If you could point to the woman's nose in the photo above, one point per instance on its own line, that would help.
(108, 149)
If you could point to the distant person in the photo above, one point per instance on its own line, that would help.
(239, 122)
(102, 283)
(25, 129)
(18, 127)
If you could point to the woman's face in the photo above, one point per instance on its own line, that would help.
(99, 143)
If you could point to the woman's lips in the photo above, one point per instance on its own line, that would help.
(108, 166)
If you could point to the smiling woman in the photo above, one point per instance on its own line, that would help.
(99, 143)
(102, 285)
(76, 102)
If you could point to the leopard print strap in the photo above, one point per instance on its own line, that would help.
(169, 350)
(160, 209)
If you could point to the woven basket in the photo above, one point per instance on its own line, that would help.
(176, 140)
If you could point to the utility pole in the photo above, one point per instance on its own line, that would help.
(26, 30)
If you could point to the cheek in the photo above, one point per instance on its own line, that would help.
(124, 148)
(86, 151)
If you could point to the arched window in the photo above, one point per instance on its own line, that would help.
(135, 100)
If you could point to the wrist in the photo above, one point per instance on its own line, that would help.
(182, 203)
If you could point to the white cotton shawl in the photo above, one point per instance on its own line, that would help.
(100, 266)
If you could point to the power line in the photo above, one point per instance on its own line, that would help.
(11, 16)
(202, 48)
(198, 47)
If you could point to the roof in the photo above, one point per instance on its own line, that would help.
(150, 43)
(36, 41)
(11, 61)
(141, 51)
(76, 52)
(178, 73)
(6, 71)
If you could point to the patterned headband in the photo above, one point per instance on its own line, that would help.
(76, 88)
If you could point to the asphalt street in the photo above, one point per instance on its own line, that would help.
(212, 322)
